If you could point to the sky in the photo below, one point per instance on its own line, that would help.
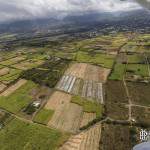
(28, 9)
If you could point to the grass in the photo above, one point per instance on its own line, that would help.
(19, 99)
(118, 72)
(88, 106)
(43, 116)
(138, 69)
(99, 59)
(12, 75)
(19, 135)
(135, 59)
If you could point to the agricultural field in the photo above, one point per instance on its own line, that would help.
(141, 115)
(103, 60)
(116, 100)
(116, 136)
(86, 140)
(140, 93)
(17, 96)
(48, 73)
(75, 94)
(18, 134)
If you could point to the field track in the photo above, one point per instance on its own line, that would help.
(86, 140)
(13, 88)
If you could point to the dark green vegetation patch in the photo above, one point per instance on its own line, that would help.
(48, 73)
(115, 97)
(117, 137)
(140, 93)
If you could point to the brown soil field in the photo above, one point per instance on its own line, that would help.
(13, 87)
(4, 71)
(141, 115)
(86, 118)
(78, 70)
(25, 65)
(58, 99)
(88, 72)
(67, 118)
(117, 111)
(96, 73)
(115, 92)
(115, 137)
(16, 59)
(86, 140)
(2, 87)
(140, 93)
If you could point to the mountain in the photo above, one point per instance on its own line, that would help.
(133, 19)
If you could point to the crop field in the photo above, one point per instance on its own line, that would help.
(4, 71)
(21, 135)
(13, 88)
(140, 93)
(115, 136)
(12, 61)
(25, 65)
(66, 115)
(12, 75)
(115, 99)
(115, 92)
(141, 115)
(86, 118)
(104, 44)
(2, 87)
(118, 72)
(103, 60)
(87, 89)
(86, 140)
(138, 69)
(88, 106)
(19, 98)
(88, 72)
(48, 73)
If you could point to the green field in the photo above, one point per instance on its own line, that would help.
(118, 72)
(11, 76)
(19, 99)
(19, 135)
(138, 69)
(88, 106)
(43, 116)
(99, 59)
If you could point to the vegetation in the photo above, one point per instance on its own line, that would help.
(118, 72)
(19, 99)
(43, 116)
(50, 73)
(21, 135)
(88, 106)
(99, 59)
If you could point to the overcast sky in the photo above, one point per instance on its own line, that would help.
(24, 9)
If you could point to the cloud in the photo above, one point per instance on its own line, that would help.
(26, 9)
